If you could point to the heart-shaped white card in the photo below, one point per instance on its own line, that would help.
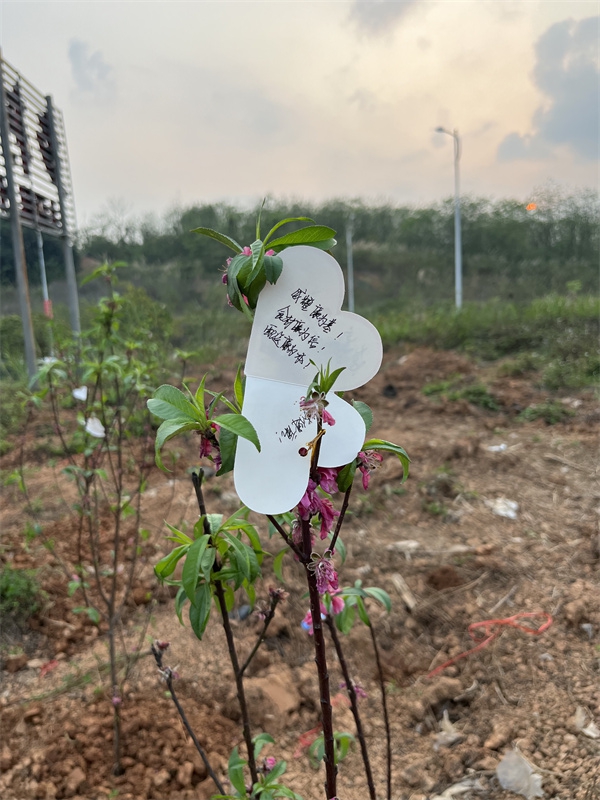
(297, 320)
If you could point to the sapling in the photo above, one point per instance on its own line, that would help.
(224, 556)
(108, 378)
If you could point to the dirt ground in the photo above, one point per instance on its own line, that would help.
(436, 544)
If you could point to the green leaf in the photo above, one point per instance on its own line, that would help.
(199, 396)
(169, 429)
(219, 237)
(345, 619)
(238, 424)
(235, 769)
(180, 600)
(191, 568)
(326, 244)
(241, 554)
(285, 222)
(260, 210)
(346, 476)
(200, 609)
(365, 412)
(166, 566)
(260, 741)
(215, 521)
(170, 403)
(381, 596)
(340, 548)
(278, 564)
(307, 235)
(362, 611)
(178, 536)
(389, 447)
(220, 398)
(228, 446)
(238, 388)
(273, 267)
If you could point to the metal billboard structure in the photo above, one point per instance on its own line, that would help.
(35, 188)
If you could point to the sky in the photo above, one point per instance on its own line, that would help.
(172, 103)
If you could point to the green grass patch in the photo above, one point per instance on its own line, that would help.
(20, 594)
(551, 412)
(556, 333)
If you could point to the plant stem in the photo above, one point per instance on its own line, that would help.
(321, 662)
(239, 680)
(292, 545)
(340, 520)
(117, 768)
(168, 676)
(386, 718)
(353, 704)
(269, 616)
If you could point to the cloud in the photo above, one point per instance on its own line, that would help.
(377, 17)
(567, 72)
(92, 75)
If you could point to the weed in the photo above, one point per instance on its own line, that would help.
(523, 364)
(434, 508)
(20, 595)
(478, 395)
(551, 412)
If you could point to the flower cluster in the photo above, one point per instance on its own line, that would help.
(209, 446)
(312, 504)
(327, 579)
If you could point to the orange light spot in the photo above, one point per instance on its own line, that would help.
(531, 207)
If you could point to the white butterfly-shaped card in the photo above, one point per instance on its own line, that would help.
(299, 320)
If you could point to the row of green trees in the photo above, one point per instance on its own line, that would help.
(402, 254)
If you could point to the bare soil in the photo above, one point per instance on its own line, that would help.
(438, 533)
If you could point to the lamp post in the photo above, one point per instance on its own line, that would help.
(457, 235)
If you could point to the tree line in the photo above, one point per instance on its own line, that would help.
(401, 253)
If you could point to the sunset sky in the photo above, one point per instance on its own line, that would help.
(170, 103)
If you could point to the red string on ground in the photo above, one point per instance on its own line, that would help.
(491, 629)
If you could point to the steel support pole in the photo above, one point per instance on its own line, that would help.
(17, 236)
(458, 292)
(73, 296)
(350, 261)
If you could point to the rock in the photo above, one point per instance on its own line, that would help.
(35, 663)
(488, 763)
(161, 778)
(184, 774)
(500, 735)
(74, 780)
(33, 711)
(443, 689)
(141, 596)
(206, 789)
(576, 611)
(15, 663)
(6, 759)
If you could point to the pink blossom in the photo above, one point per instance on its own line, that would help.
(327, 418)
(337, 604)
(358, 689)
(247, 251)
(269, 764)
(327, 579)
(367, 462)
(312, 504)
(307, 622)
(270, 253)
(328, 514)
(327, 479)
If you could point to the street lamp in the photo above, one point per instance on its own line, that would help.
(457, 238)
